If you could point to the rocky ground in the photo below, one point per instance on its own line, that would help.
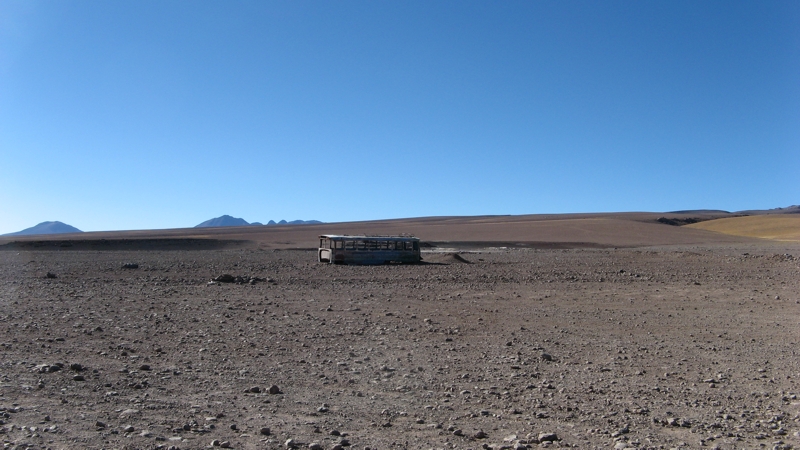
(516, 348)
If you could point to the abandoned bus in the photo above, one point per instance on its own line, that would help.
(336, 249)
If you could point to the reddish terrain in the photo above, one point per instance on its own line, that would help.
(582, 331)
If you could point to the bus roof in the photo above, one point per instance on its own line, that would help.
(371, 238)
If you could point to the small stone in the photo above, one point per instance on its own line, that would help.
(546, 357)
(274, 389)
(144, 367)
(79, 378)
(458, 432)
(314, 446)
(234, 427)
(51, 275)
(290, 443)
(215, 443)
(76, 367)
(480, 435)
(335, 433)
(130, 266)
(265, 431)
(254, 390)
(225, 444)
(548, 437)
(129, 429)
(99, 424)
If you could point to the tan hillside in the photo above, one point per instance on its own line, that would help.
(538, 231)
(782, 228)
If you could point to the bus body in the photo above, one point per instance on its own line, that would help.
(343, 249)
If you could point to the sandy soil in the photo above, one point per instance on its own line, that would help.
(601, 230)
(654, 347)
(783, 227)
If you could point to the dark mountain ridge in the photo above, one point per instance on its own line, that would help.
(54, 227)
(229, 221)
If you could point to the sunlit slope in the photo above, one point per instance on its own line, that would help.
(778, 227)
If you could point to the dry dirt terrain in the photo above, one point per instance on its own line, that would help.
(670, 346)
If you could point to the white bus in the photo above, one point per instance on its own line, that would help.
(343, 249)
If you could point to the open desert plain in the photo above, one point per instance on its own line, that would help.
(606, 331)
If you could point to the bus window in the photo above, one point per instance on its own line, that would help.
(338, 244)
(350, 245)
(360, 245)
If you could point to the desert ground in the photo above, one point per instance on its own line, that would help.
(574, 331)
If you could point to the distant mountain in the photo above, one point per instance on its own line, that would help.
(223, 221)
(700, 211)
(228, 221)
(47, 228)
(794, 209)
(294, 222)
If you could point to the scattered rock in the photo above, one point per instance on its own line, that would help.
(130, 266)
(548, 437)
(274, 389)
(47, 368)
(228, 278)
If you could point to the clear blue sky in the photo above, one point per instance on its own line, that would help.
(161, 114)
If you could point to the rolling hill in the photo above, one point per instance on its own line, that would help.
(54, 227)
(781, 227)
